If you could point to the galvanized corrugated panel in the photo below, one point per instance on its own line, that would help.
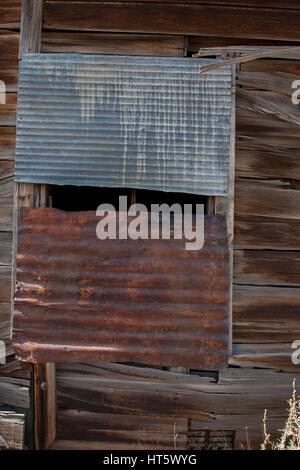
(147, 301)
(121, 121)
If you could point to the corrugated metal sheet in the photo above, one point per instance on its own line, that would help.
(146, 301)
(121, 121)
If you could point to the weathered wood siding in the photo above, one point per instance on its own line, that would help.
(267, 216)
(266, 279)
(14, 376)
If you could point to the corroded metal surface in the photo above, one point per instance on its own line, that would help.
(123, 121)
(146, 301)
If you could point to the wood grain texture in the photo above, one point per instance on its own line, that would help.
(14, 368)
(12, 428)
(31, 27)
(285, 66)
(267, 233)
(5, 283)
(270, 103)
(266, 267)
(271, 81)
(44, 390)
(265, 304)
(293, 4)
(266, 332)
(197, 42)
(100, 43)
(14, 393)
(5, 248)
(266, 161)
(10, 14)
(6, 214)
(7, 143)
(9, 45)
(8, 111)
(5, 322)
(10, 78)
(276, 356)
(108, 432)
(212, 20)
(254, 125)
(268, 198)
(238, 398)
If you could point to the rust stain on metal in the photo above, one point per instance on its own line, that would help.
(145, 301)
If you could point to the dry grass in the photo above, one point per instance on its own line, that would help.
(290, 434)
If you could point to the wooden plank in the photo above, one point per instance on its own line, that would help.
(6, 178)
(266, 332)
(8, 111)
(165, 396)
(5, 248)
(246, 53)
(31, 27)
(5, 283)
(14, 368)
(10, 14)
(272, 81)
(7, 143)
(268, 198)
(270, 103)
(9, 45)
(267, 161)
(109, 431)
(267, 233)
(267, 65)
(251, 3)
(255, 124)
(6, 214)
(10, 78)
(5, 321)
(266, 267)
(44, 390)
(14, 395)
(257, 303)
(243, 54)
(96, 43)
(198, 42)
(12, 429)
(164, 18)
(277, 356)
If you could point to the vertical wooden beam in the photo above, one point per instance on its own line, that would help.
(33, 195)
(31, 27)
(45, 405)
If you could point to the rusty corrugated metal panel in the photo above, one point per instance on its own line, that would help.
(147, 301)
(121, 121)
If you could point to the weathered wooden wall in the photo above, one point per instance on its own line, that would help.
(267, 225)
(113, 406)
(14, 375)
